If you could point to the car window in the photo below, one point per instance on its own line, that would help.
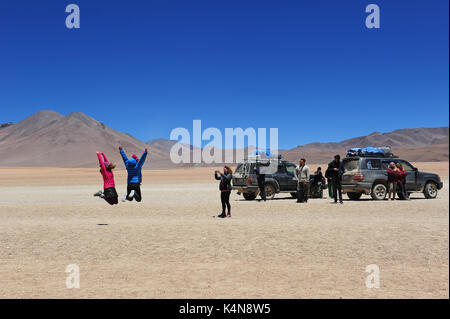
(290, 169)
(372, 163)
(281, 169)
(407, 166)
(351, 165)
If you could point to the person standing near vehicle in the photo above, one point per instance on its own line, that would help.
(393, 176)
(261, 178)
(302, 174)
(329, 182)
(225, 189)
(318, 180)
(401, 180)
(336, 170)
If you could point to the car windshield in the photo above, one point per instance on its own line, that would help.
(351, 164)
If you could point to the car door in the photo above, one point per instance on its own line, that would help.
(291, 181)
(412, 184)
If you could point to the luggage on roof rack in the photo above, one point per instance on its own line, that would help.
(370, 151)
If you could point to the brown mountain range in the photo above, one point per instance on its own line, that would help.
(50, 139)
(416, 145)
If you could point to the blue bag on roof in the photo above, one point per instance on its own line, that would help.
(372, 150)
(354, 151)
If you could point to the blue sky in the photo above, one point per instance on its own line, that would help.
(310, 68)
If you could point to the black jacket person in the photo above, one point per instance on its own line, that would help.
(261, 178)
(334, 172)
(225, 189)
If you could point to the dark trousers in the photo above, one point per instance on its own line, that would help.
(225, 199)
(402, 189)
(330, 188)
(110, 196)
(302, 192)
(137, 191)
(262, 186)
(337, 188)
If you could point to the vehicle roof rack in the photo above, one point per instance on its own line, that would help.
(374, 155)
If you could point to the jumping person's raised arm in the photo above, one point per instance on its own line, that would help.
(142, 159)
(124, 156)
(105, 158)
(100, 160)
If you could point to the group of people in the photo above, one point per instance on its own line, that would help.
(333, 175)
(133, 166)
(396, 179)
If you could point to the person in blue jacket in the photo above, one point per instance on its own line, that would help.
(134, 180)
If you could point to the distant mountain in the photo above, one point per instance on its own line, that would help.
(6, 125)
(405, 137)
(417, 144)
(166, 145)
(50, 139)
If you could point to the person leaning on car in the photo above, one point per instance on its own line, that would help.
(302, 174)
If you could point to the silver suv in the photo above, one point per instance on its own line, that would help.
(368, 175)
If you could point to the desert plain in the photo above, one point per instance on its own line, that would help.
(171, 245)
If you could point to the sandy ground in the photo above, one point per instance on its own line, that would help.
(172, 246)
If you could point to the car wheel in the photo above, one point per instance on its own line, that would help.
(430, 190)
(270, 191)
(249, 196)
(354, 195)
(379, 192)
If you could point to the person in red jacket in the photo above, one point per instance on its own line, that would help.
(109, 193)
(401, 180)
(392, 180)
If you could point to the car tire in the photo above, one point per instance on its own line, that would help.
(270, 191)
(249, 196)
(430, 190)
(354, 195)
(379, 191)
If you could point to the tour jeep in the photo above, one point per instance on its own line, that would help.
(282, 181)
(368, 175)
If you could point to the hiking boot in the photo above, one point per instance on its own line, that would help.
(98, 194)
(222, 215)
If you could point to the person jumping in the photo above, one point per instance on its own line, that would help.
(134, 180)
(109, 193)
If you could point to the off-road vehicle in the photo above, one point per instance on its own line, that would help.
(281, 181)
(364, 174)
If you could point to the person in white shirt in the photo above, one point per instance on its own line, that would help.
(302, 175)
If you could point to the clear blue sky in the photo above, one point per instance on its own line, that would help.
(310, 68)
